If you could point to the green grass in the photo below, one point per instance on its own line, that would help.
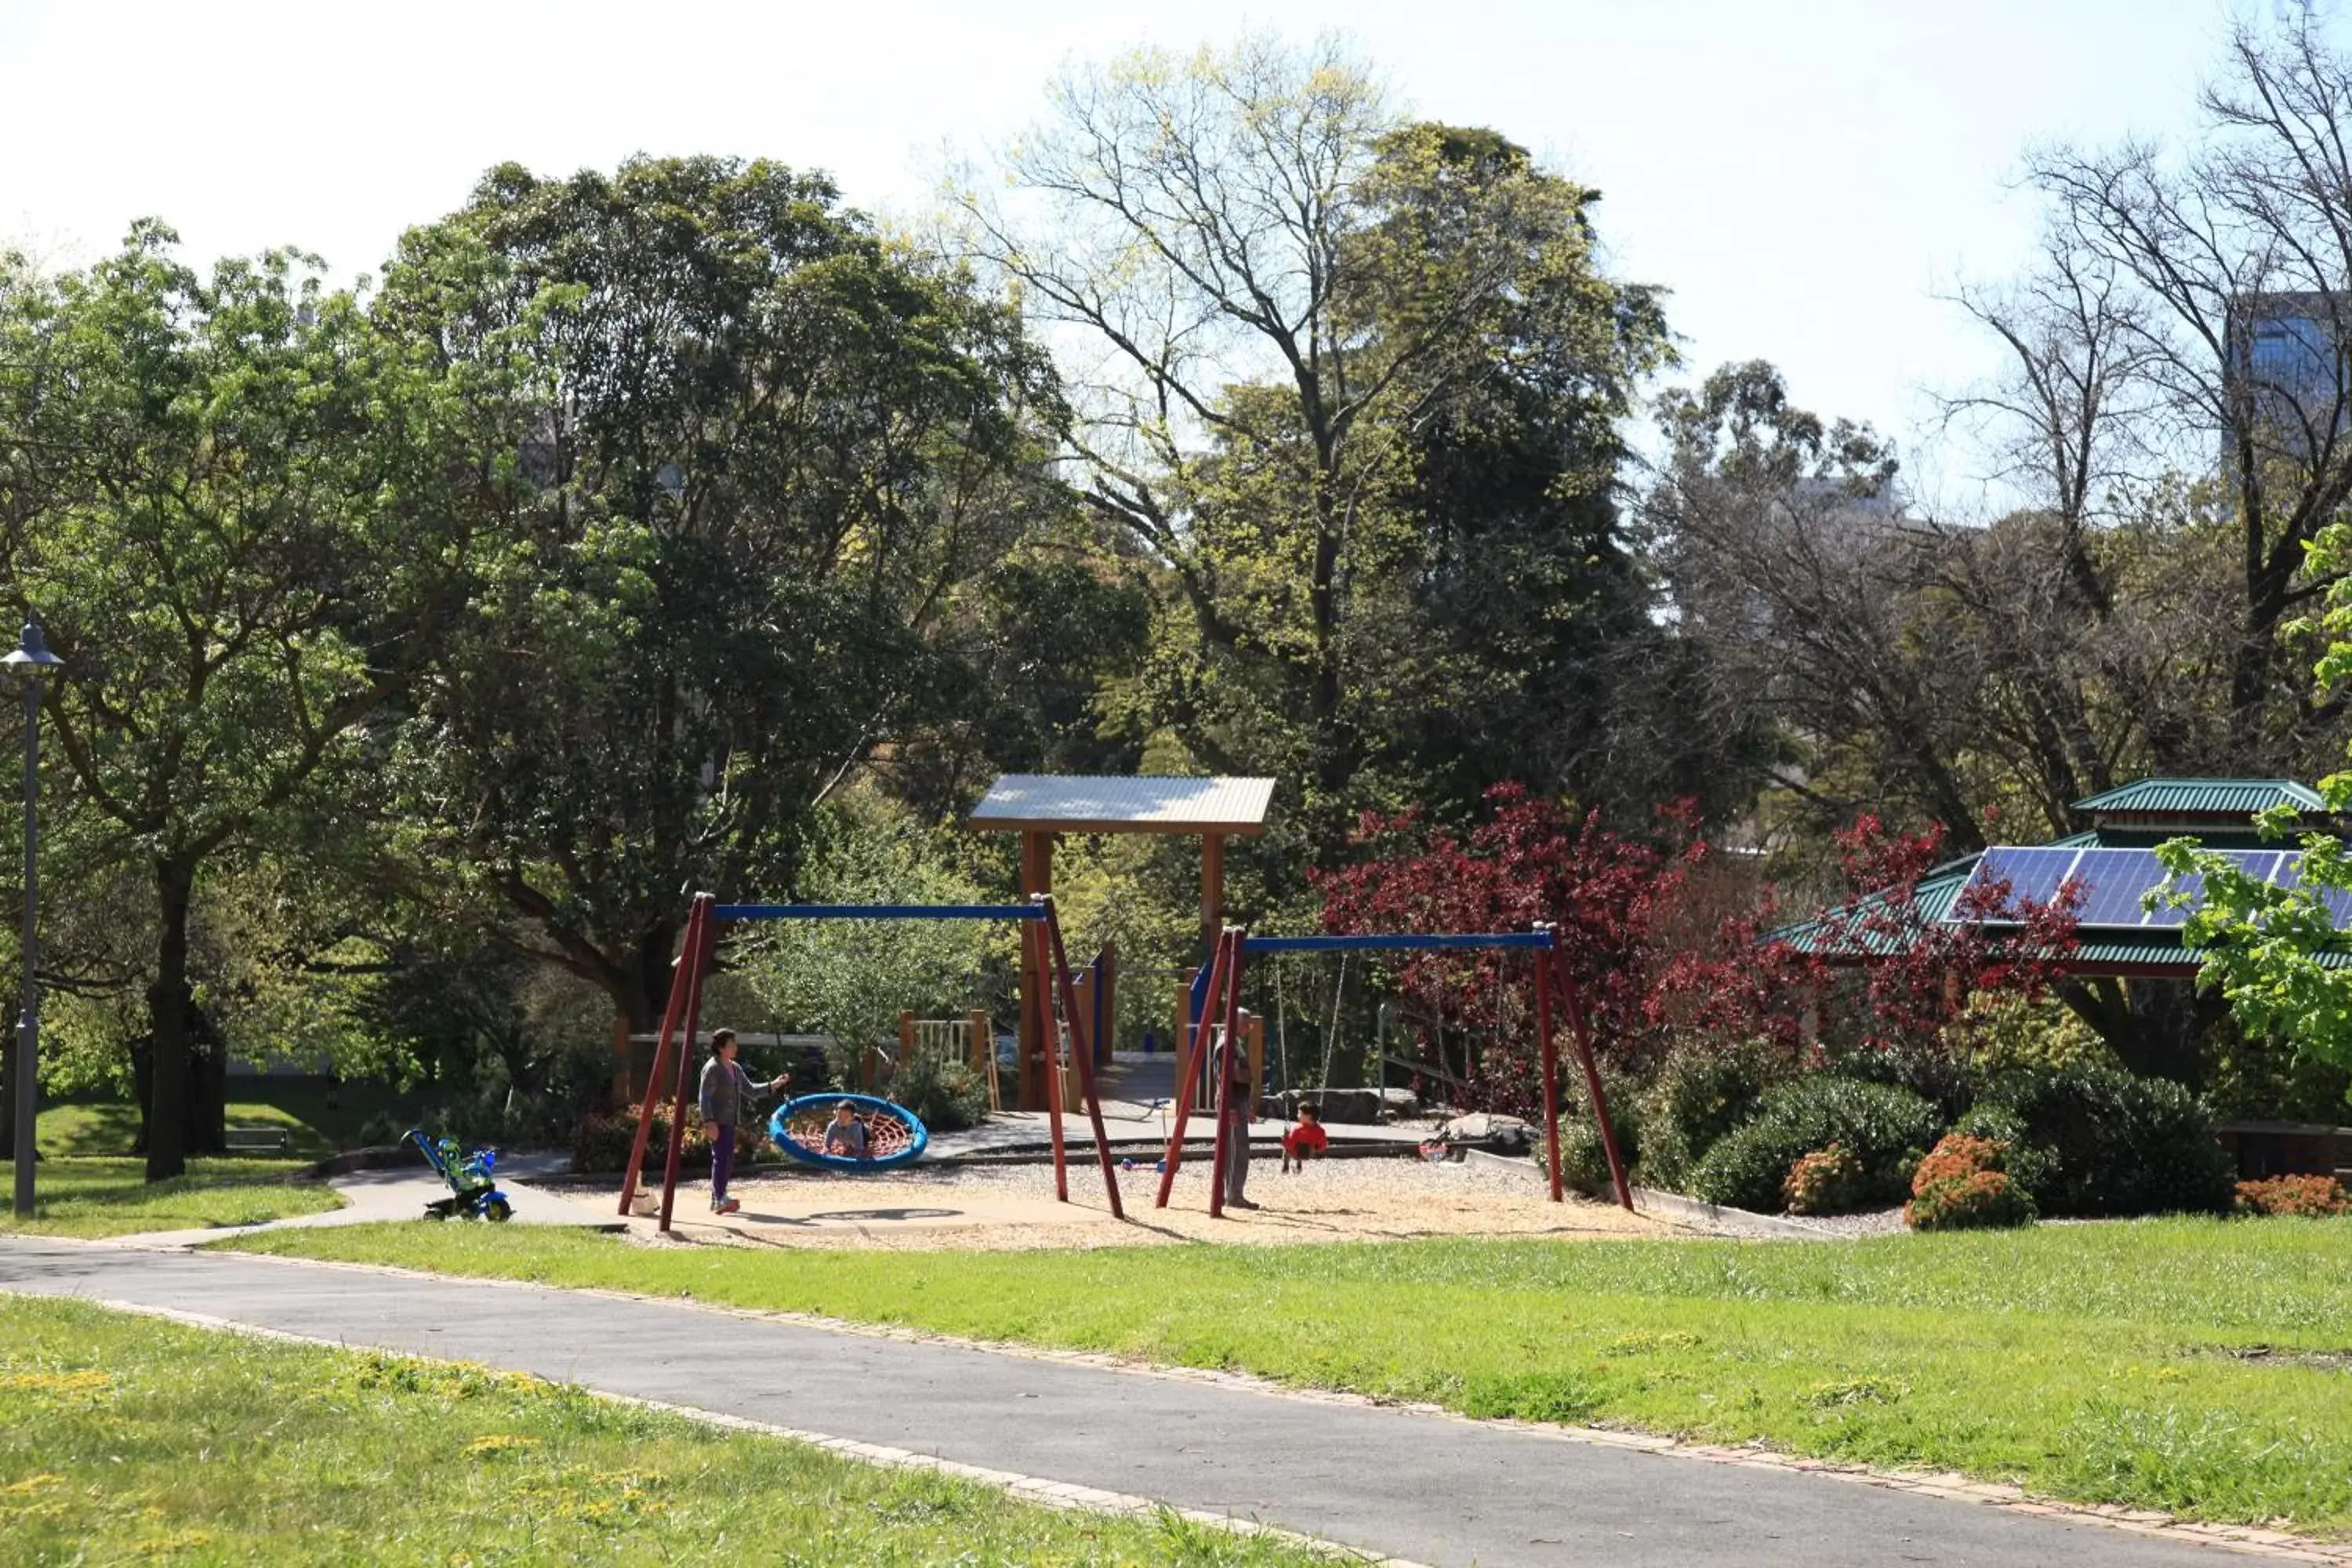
(113, 1197)
(123, 1439)
(2200, 1367)
(319, 1118)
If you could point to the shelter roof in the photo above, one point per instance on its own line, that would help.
(1083, 803)
(2236, 799)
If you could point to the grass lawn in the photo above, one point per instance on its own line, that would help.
(319, 1118)
(112, 1197)
(2197, 1366)
(123, 1439)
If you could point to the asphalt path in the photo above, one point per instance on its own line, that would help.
(1436, 1491)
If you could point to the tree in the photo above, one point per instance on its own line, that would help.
(245, 530)
(1307, 329)
(770, 456)
(2221, 303)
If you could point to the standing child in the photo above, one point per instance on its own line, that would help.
(726, 1095)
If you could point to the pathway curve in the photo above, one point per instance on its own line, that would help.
(1438, 1490)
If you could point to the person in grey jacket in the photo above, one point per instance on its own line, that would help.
(726, 1091)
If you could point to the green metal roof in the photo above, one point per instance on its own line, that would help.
(2237, 798)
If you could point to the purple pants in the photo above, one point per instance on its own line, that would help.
(722, 1161)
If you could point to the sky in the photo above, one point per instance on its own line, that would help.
(1810, 178)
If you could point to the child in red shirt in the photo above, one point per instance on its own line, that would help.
(1307, 1140)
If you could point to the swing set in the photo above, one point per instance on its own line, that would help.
(1042, 947)
(1216, 994)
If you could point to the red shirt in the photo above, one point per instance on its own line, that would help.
(1306, 1136)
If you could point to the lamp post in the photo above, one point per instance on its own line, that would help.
(30, 665)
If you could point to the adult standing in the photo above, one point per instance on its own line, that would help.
(726, 1095)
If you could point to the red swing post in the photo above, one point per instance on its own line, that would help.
(696, 915)
(1081, 1050)
(1187, 1065)
(1575, 1003)
(699, 963)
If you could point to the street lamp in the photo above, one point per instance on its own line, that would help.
(30, 666)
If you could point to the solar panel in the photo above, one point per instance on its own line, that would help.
(2338, 901)
(2114, 884)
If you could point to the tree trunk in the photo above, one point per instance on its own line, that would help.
(167, 1019)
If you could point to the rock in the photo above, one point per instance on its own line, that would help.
(1397, 1103)
(1507, 1134)
(1349, 1107)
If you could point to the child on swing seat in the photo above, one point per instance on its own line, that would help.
(1306, 1141)
(844, 1134)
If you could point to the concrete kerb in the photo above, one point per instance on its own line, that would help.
(1947, 1486)
(1038, 1489)
(1676, 1209)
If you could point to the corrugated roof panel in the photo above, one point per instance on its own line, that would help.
(2237, 798)
(1070, 803)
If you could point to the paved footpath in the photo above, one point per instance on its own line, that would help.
(1436, 1491)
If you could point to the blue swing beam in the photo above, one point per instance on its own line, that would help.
(707, 914)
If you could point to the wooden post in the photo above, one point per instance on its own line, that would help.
(1036, 877)
(1081, 1057)
(1227, 1074)
(1548, 1048)
(1212, 889)
(1106, 1013)
(983, 1057)
(1188, 1061)
(1581, 1032)
(697, 965)
(681, 977)
(1032, 934)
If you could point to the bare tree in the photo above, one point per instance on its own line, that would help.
(2225, 301)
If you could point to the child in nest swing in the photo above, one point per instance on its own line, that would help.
(725, 1092)
(844, 1134)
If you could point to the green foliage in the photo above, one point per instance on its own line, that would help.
(600, 1142)
(1703, 1090)
(2028, 1164)
(946, 1094)
(1885, 1127)
(1964, 1185)
(2010, 1031)
(851, 979)
(2117, 1144)
(768, 460)
(1584, 1158)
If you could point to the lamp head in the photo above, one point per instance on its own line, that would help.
(31, 659)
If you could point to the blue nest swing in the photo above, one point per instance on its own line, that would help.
(895, 1136)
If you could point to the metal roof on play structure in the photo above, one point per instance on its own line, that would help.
(1081, 803)
(2235, 798)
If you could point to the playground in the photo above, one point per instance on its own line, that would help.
(1013, 1208)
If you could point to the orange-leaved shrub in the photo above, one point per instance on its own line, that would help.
(1827, 1181)
(1963, 1185)
(601, 1143)
(2316, 1197)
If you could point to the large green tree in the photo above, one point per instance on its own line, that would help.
(769, 455)
(242, 514)
(1295, 324)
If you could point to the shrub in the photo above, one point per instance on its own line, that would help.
(945, 1093)
(601, 1143)
(2117, 1144)
(1961, 1185)
(1883, 1126)
(2028, 1164)
(2008, 1033)
(1829, 1181)
(1584, 1158)
(1703, 1089)
(2313, 1197)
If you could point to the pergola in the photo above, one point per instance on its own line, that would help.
(1042, 806)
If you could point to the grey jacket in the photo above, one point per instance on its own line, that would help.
(725, 1092)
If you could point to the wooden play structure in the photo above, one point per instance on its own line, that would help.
(1052, 1003)
(1217, 1039)
(1042, 806)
